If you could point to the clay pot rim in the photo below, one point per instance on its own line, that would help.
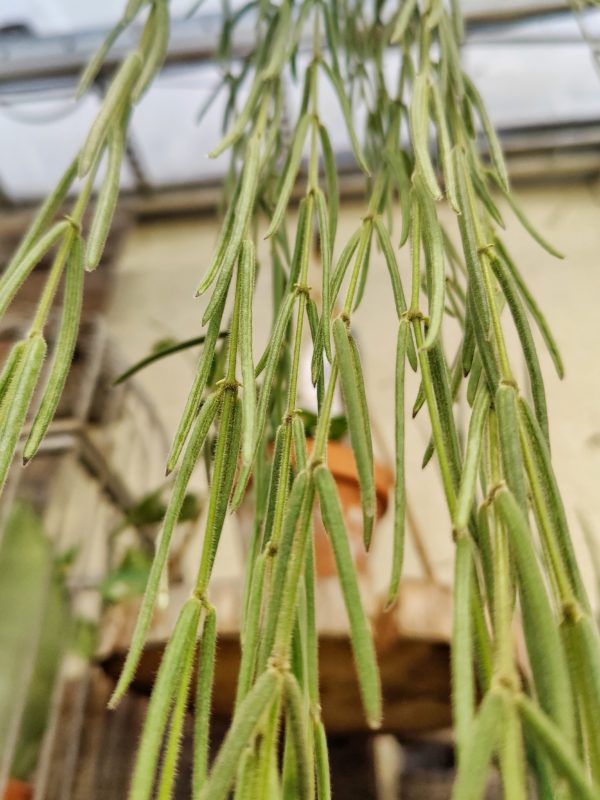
(342, 464)
(17, 789)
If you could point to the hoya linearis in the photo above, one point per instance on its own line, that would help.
(504, 504)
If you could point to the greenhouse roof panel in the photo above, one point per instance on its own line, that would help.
(533, 72)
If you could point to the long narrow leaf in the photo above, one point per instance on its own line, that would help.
(330, 178)
(546, 654)
(400, 483)
(558, 749)
(112, 106)
(17, 399)
(478, 750)
(362, 642)
(434, 264)
(510, 291)
(351, 378)
(295, 719)
(326, 255)
(163, 696)
(239, 736)
(246, 267)
(194, 399)
(277, 335)
(289, 174)
(206, 669)
(107, 198)
(533, 307)
(241, 220)
(340, 91)
(64, 349)
(419, 126)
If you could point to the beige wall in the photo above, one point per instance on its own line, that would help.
(162, 262)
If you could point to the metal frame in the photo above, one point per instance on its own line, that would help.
(28, 63)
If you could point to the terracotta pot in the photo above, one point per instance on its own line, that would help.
(18, 790)
(341, 462)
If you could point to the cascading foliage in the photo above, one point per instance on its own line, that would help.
(514, 555)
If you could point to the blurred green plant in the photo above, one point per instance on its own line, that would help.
(130, 575)
(34, 630)
(338, 426)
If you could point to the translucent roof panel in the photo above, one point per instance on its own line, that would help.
(38, 138)
(481, 7)
(538, 71)
(171, 145)
(532, 85)
(56, 17)
(533, 72)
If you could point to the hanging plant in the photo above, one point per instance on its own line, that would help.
(513, 549)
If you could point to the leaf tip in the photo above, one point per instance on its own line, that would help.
(374, 722)
(368, 522)
(390, 602)
(83, 165)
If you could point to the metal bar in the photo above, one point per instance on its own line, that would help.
(27, 58)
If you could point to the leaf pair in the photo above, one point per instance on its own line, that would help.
(275, 343)
(544, 646)
(25, 366)
(14, 277)
(42, 219)
(484, 739)
(295, 509)
(173, 679)
(224, 471)
(223, 263)
(116, 99)
(239, 735)
(476, 291)
(64, 349)
(95, 63)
